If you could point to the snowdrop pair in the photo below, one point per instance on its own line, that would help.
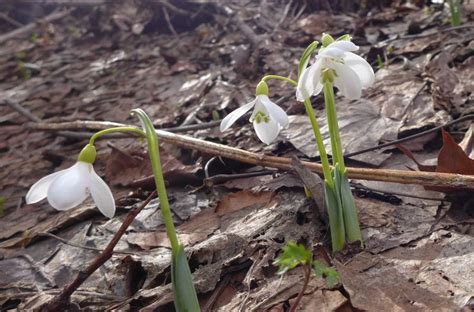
(350, 73)
(68, 188)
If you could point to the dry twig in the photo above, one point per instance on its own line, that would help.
(283, 163)
(60, 301)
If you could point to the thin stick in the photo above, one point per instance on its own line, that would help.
(66, 242)
(60, 301)
(307, 275)
(386, 175)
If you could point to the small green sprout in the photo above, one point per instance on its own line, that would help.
(455, 9)
(322, 270)
(295, 255)
(380, 62)
(3, 200)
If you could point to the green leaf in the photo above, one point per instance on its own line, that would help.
(3, 200)
(304, 60)
(323, 271)
(349, 209)
(336, 221)
(185, 298)
(345, 37)
(293, 255)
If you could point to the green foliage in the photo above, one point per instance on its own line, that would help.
(304, 60)
(215, 115)
(3, 200)
(293, 255)
(322, 270)
(34, 37)
(297, 254)
(380, 62)
(455, 9)
(185, 299)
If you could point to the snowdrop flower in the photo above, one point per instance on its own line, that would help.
(68, 188)
(268, 118)
(350, 72)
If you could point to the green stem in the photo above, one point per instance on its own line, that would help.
(96, 135)
(154, 153)
(269, 77)
(455, 8)
(319, 142)
(333, 126)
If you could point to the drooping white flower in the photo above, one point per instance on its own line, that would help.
(268, 118)
(68, 188)
(351, 72)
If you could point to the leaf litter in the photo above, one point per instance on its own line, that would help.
(100, 62)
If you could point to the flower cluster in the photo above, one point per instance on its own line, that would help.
(350, 74)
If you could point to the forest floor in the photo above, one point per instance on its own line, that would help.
(191, 65)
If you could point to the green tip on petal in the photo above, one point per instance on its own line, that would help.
(345, 37)
(262, 88)
(87, 154)
(326, 40)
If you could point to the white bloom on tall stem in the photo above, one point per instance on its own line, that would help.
(351, 72)
(268, 118)
(68, 188)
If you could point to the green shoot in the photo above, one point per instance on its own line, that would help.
(455, 9)
(295, 255)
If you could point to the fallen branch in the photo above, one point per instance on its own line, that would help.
(386, 175)
(59, 302)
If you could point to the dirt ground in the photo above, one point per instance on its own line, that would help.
(188, 64)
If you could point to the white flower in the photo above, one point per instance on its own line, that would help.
(352, 72)
(68, 188)
(267, 117)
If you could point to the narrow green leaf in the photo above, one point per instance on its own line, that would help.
(304, 60)
(349, 209)
(185, 298)
(336, 221)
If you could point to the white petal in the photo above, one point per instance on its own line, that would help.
(347, 81)
(361, 68)
(310, 82)
(39, 190)
(70, 188)
(101, 194)
(267, 131)
(274, 111)
(236, 114)
(330, 52)
(344, 45)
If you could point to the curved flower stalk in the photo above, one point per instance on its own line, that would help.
(352, 73)
(185, 298)
(268, 118)
(68, 188)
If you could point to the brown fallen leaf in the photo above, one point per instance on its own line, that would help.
(451, 159)
(132, 167)
(240, 200)
(189, 233)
